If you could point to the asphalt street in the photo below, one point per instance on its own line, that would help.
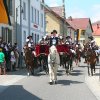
(71, 87)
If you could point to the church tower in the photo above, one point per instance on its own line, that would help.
(63, 9)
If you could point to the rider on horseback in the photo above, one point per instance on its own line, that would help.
(54, 38)
(93, 46)
(68, 40)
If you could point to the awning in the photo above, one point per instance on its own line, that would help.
(4, 16)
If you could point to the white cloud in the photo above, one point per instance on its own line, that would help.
(96, 7)
(96, 17)
(53, 3)
(76, 13)
(95, 13)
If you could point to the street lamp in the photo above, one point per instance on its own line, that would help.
(21, 11)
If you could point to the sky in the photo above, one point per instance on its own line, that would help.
(79, 8)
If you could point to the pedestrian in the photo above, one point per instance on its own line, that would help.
(2, 62)
(13, 60)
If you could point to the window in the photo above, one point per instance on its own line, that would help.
(41, 20)
(33, 36)
(38, 16)
(6, 35)
(41, 6)
(10, 35)
(37, 38)
(32, 14)
(35, 16)
(24, 37)
(83, 32)
(9, 5)
(24, 13)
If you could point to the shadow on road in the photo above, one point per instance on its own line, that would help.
(17, 92)
(76, 73)
(68, 82)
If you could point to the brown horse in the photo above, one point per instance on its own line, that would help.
(29, 60)
(78, 56)
(91, 59)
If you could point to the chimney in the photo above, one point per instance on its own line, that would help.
(98, 26)
(70, 18)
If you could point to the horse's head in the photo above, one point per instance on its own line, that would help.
(27, 50)
(53, 52)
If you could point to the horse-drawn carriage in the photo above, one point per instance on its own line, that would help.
(41, 56)
(65, 54)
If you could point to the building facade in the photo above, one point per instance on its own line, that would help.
(96, 32)
(55, 22)
(30, 20)
(82, 26)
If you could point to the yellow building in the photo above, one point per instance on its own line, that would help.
(55, 21)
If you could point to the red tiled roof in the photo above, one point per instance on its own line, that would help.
(58, 10)
(96, 29)
(78, 23)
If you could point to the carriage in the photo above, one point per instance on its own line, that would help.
(41, 57)
(42, 52)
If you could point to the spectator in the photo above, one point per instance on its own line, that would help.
(13, 59)
(2, 62)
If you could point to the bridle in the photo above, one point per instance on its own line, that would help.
(53, 59)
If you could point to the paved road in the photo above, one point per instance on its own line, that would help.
(70, 87)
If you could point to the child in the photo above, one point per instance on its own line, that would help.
(13, 60)
(2, 62)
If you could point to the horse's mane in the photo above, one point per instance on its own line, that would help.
(52, 48)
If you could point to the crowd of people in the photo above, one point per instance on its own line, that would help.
(9, 57)
(55, 39)
(9, 54)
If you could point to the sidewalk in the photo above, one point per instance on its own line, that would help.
(93, 82)
(11, 78)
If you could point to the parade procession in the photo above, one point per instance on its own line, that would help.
(48, 52)
(54, 51)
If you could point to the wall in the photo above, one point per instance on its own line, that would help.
(97, 39)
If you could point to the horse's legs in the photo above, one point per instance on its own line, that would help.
(94, 67)
(55, 74)
(71, 61)
(67, 67)
(50, 73)
(91, 71)
(88, 69)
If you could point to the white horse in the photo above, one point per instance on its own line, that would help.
(53, 63)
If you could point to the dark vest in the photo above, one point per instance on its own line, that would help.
(53, 41)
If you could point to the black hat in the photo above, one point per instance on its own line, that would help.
(29, 36)
(54, 31)
(51, 32)
(90, 37)
(68, 37)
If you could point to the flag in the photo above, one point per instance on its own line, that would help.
(4, 16)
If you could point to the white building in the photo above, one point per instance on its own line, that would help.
(30, 20)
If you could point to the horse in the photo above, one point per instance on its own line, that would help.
(67, 60)
(30, 60)
(53, 63)
(42, 58)
(91, 59)
(78, 55)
